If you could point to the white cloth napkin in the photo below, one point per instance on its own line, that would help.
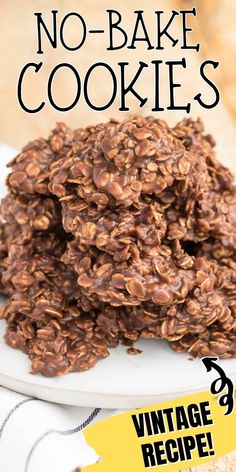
(38, 436)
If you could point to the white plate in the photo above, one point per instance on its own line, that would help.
(119, 381)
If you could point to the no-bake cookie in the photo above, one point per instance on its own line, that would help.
(116, 232)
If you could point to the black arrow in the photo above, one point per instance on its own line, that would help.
(220, 384)
(210, 364)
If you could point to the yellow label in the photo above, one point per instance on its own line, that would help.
(169, 436)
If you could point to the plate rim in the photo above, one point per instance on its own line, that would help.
(42, 384)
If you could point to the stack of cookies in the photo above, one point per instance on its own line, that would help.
(116, 232)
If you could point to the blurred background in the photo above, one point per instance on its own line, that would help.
(214, 28)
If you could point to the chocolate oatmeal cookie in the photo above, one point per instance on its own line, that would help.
(117, 232)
